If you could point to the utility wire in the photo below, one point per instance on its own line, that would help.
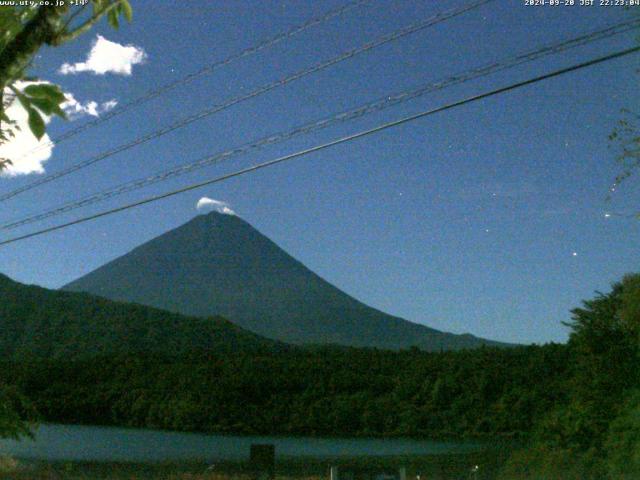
(330, 144)
(387, 38)
(371, 107)
(167, 87)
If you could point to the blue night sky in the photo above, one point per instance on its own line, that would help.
(488, 219)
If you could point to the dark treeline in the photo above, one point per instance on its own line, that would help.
(323, 391)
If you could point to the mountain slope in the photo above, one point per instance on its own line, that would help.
(219, 264)
(36, 322)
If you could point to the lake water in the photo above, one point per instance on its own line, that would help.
(73, 442)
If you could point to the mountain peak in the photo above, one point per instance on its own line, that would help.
(216, 214)
(218, 264)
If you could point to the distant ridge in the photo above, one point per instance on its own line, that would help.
(50, 324)
(218, 264)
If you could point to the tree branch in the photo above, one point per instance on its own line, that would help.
(41, 29)
(68, 36)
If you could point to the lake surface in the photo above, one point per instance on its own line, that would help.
(73, 442)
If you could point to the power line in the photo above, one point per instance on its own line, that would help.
(150, 95)
(375, 106)
(622, 215)
(403, 32)
(327, 145)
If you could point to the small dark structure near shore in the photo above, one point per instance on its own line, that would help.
(262, 458)
(262, 464)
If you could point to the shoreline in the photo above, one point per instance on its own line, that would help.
(442, 466)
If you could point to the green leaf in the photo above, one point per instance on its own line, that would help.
(36, 123)
(127, 10)
(45, 105)
(98, 6)
(23, 99)
(59, 112)
(48, 91)
(48, 107)
(112, 18)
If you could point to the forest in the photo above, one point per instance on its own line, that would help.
(573, 408)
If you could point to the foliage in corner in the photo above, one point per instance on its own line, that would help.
(23, 31)
(595, 434)
(17, 414)
(626, 136)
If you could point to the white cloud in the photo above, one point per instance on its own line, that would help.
(107, 57)
(27, 153)
(75, 109)
(206, 204)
